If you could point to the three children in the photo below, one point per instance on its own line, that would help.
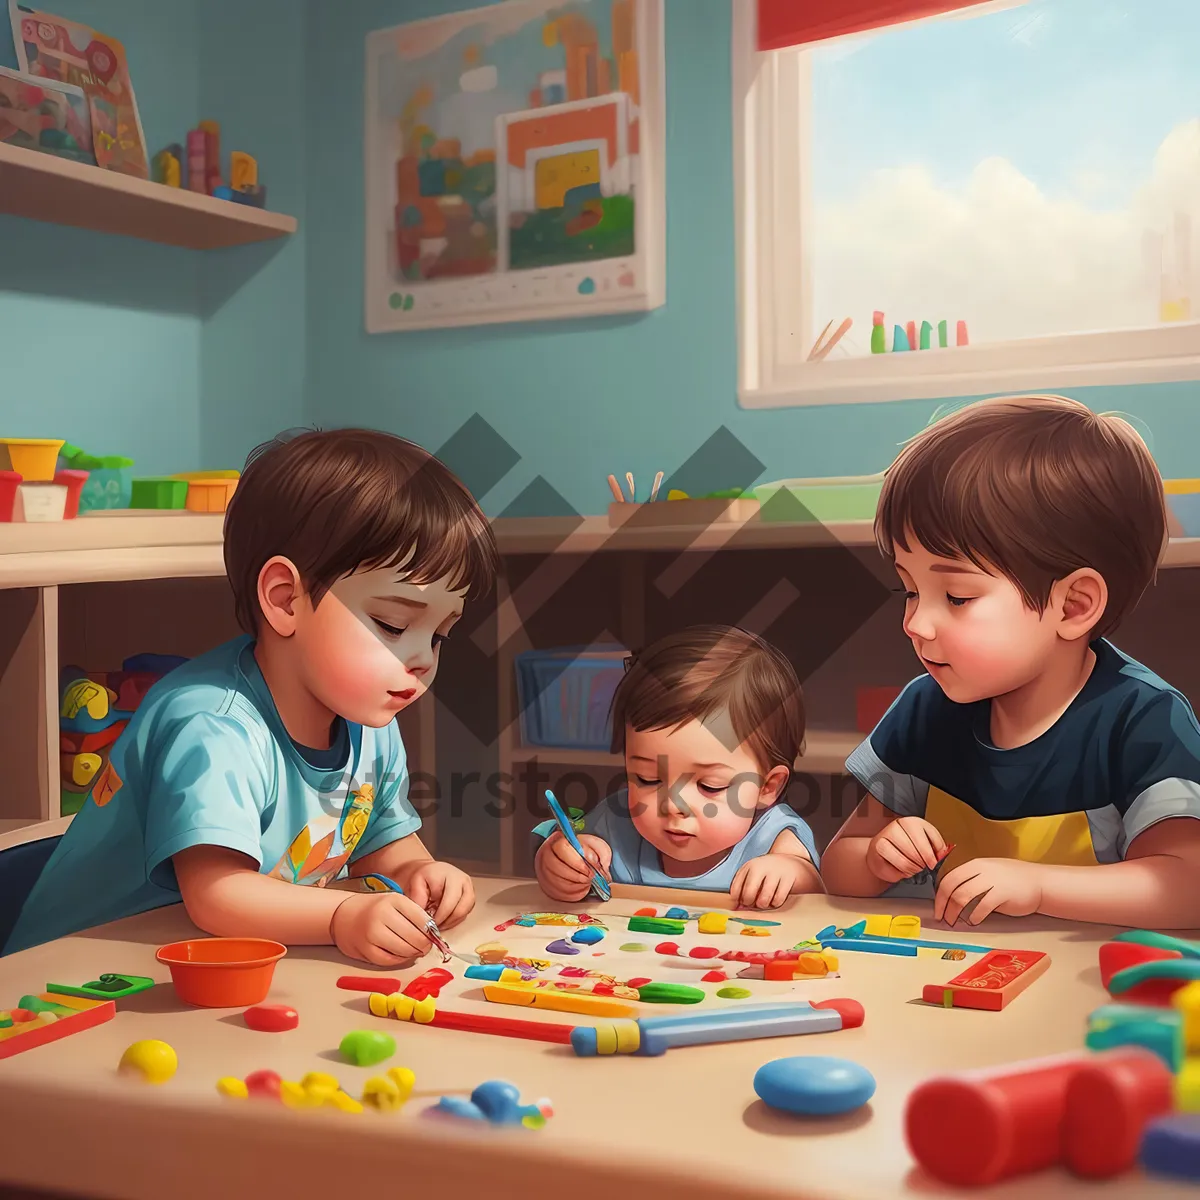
(1032, 767)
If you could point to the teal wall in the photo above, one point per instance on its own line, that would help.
(177, 359)
(100, 337)
(184, 360)
(578, 399)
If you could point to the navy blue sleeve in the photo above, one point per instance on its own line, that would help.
(1159, 762)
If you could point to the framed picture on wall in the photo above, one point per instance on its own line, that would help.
(514, 165)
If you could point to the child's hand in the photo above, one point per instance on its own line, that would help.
(1004, 885)
(767, 881)
(443, 891)
(903, 848)
(383, 928)
(563, 875)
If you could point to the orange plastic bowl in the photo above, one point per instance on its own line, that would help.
(222, 972)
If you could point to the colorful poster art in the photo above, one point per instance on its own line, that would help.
(514, 164)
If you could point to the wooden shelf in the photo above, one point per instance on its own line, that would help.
(46, 188)
(825, 751)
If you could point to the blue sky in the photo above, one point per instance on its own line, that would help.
(1077, 94)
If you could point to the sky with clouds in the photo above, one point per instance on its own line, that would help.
(1010, 168)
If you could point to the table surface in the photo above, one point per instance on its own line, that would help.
(687, 1124)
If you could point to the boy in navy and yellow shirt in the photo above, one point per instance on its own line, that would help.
(1034, 768)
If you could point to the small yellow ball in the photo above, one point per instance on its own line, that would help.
(153, 1062)
(234, 1088)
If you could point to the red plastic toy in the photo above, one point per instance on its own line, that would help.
(980, 1127)
(429, 984)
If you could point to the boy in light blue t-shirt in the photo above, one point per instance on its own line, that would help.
(275, 760)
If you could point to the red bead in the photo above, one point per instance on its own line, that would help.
(369, 983)
(264, 1084)
(713, 977)
(646, 912)
(667, 948)
(22, 1015)
(637, 983)
(271, 1018)
(704, 952)
(429, 984)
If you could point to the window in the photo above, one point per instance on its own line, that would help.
(1004, 196)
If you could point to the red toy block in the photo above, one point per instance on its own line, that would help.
(992, 982)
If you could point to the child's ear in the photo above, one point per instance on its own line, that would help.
(1082, 597)
(279, 588)
(772, 786)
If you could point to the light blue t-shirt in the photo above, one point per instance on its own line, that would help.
(206, 761)
(636, 861)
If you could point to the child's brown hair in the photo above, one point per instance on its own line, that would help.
(338, 501)
(703, 670)
(1034, 487)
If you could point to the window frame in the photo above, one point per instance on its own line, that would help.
(771, 302)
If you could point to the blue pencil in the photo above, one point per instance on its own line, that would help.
(599, 883)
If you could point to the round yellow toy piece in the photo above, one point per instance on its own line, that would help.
(404, 1080)
(319, 1085)
(154, 1062)
(234, 1088)
(382, 1095)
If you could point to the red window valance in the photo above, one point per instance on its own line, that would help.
(796, 22)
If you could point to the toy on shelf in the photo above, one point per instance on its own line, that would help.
(94, 709)
(203, 161)
(67, 51)
(43, 114)
(167, 166)
(109, 481)
(159, 492)
(209, 491)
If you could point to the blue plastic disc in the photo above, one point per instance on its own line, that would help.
(813, 1086)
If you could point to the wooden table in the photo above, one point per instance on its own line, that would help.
(685, 1125)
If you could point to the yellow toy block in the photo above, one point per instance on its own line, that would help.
(1186, 1001)
(878, 925)
(1187, 1086)
(905, 927)
(713, 922)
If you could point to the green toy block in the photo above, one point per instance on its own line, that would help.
(656, 925)
(159, 492)
(107, 987)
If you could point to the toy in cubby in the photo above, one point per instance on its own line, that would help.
(95, 708)
(31, 487)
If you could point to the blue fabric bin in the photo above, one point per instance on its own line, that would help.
(565, 695)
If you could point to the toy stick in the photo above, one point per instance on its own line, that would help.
(593, 1006)
(615, 487)
(657, 1035)
(657, 484)
(426, 1012)
(632, 490)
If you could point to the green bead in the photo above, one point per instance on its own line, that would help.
(733, 993)
(634, 947)
(669, 993)
(366, 1047)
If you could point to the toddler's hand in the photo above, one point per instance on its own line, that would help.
(443, 891)
(382, 928)
(904, 848)
(563, 875)
(767, 881)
